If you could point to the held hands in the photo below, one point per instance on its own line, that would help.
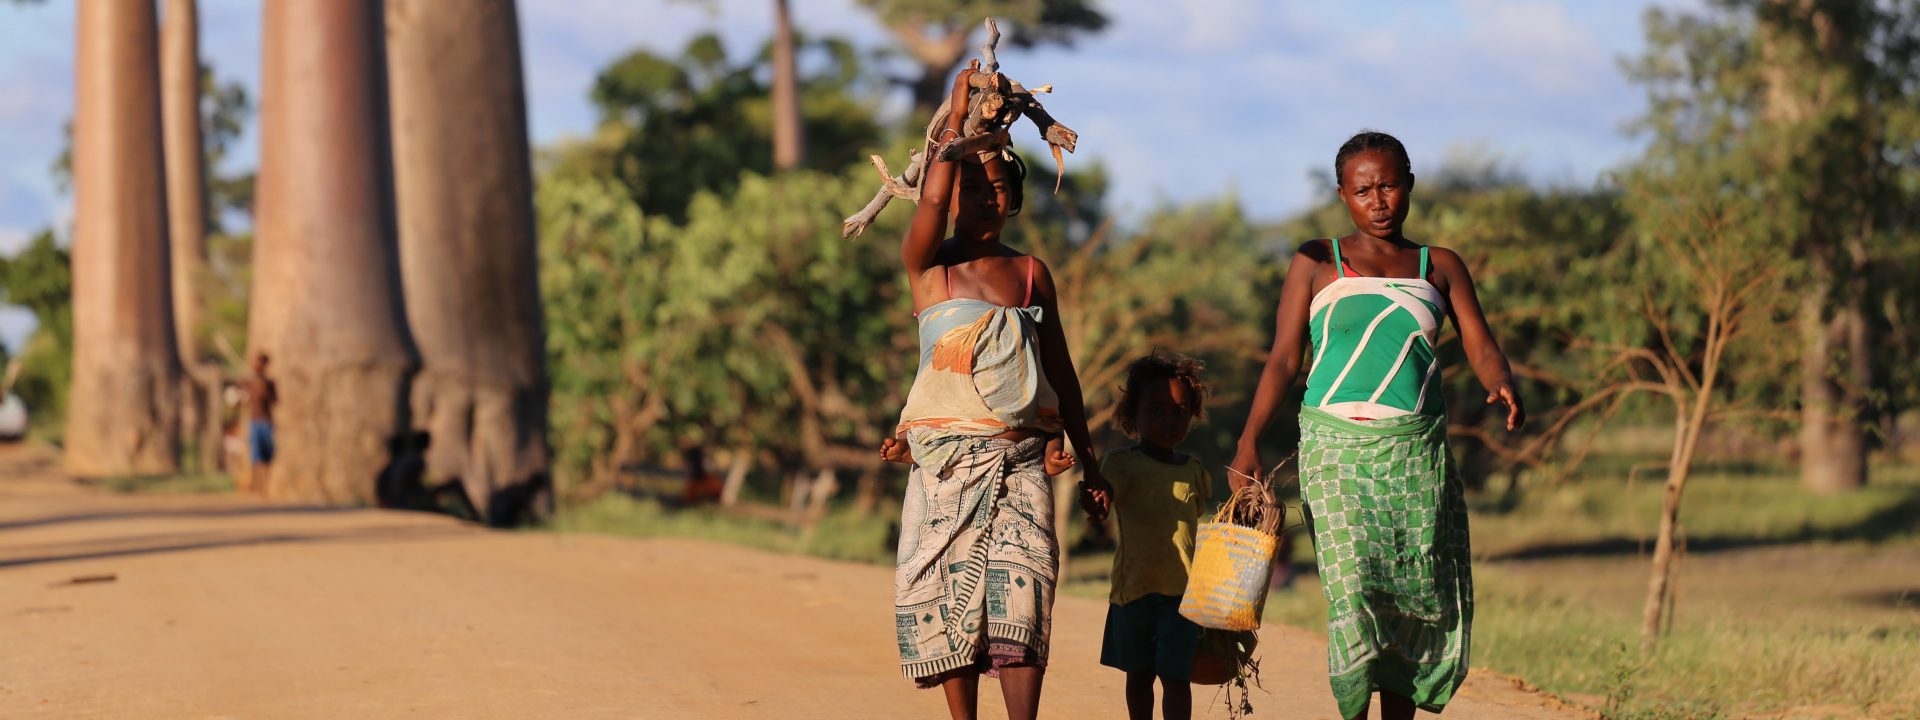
(1058, 460)
(1516, 414)
(895, 450)
(1096, 495)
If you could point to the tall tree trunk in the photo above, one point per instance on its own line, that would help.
(789, 133)
(467, 250)
(1833, 448)
(123, 414)
(326, 296)
(187, 216)
(1835, 370)
(186, 185)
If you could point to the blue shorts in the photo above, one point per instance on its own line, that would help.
(1150, 635)
(260, 442)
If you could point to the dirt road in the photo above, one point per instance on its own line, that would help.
(220, 607)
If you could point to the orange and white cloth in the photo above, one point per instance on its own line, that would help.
(979, 376)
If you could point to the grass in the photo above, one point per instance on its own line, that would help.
(841, 535)
(1720, 509)
(191, 484)
(1725, 654)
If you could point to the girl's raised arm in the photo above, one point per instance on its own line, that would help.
(1283, 360)
(929, 228)
(1483, 353)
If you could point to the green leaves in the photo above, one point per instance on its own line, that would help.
(672, 128)
(739, 326)
(39, 278)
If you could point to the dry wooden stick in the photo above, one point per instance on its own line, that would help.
(995, 102)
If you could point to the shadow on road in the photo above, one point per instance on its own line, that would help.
(135, 545)
(179, 513)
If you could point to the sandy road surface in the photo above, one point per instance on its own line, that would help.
(221, 607)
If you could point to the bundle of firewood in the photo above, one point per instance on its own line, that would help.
(994, 103)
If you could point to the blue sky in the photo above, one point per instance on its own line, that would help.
(1249, 97)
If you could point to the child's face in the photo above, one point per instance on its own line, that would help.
(1165, 413)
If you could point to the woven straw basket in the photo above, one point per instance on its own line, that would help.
(1227, 587)
(1233, 560)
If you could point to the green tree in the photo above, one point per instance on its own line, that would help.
(935, 32)
(39, 278)
(1811, 105)
(1701, 286)
(674, 127)
(752, 326)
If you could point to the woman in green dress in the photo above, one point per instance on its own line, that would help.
(1389, 520)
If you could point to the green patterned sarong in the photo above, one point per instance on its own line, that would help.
(1390, 535)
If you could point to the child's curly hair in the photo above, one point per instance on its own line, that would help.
(1160, 366)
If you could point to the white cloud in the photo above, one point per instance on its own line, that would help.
(1221, 25)
(1539, 42)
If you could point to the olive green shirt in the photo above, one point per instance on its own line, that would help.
(1158, 506)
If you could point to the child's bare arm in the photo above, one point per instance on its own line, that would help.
(1058, 460)
(895, 450)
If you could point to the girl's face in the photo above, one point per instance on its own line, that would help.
(1377, 194)
(981, 199)
(1165, 413)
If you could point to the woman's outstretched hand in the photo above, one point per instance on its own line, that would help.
(1516, 414)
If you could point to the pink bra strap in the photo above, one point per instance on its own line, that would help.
(1031, 261)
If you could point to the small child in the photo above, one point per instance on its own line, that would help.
(1158, 496)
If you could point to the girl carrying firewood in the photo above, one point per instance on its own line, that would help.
(978, 559)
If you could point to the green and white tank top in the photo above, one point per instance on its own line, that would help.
(1373, 345)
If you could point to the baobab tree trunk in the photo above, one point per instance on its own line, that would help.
(789, 133)
(1835, 373)
(467, 250)
(326, 296)
(1835, 367)
(123, 414)
(187, 216)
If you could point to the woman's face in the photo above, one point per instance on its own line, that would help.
(1377, 193)
(981, 199)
